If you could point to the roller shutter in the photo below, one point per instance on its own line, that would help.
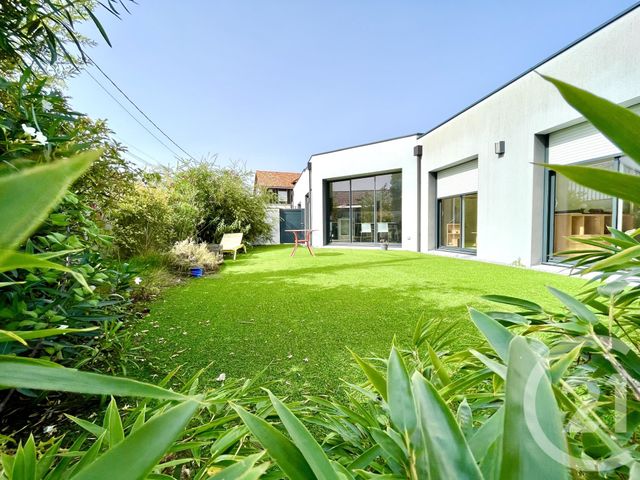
(580, 143)
(458, 180)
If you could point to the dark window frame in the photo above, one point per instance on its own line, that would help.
(550, 185)
(327, 214)
(446, 248)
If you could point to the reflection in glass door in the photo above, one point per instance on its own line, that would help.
(389, 208)
(458, 222)
(362, 209)
(470, 209)
(630, 212)
(579, 213)
(339, 212)
(450, 224)
(365, 209)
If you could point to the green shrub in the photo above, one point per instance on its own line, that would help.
(196, 200)
(96, 296)
(142, 221)
(43, 33)
(225, 200)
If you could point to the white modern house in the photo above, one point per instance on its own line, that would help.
(469, 185)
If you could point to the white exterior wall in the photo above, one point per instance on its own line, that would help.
(273, 218)
(300, 189)
(510, 189)
(385, 156)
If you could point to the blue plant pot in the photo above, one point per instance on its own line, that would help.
(197, 272)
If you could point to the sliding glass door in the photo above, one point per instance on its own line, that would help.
(340, 211)
(630, 212)
(577, 212)
(389, 208)
(458, 220)
(365, 210)
(451, 222)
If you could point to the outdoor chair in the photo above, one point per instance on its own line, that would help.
(231, 243)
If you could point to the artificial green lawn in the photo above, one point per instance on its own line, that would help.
(297, 316)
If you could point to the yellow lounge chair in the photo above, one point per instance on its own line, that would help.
(231, 243)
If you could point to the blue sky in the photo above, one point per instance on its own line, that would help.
(269, 83)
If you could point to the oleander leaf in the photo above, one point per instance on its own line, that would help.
(27, 197)
(33, 374)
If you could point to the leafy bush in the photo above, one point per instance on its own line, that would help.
(142, 221)
(95, 296)
(152, 437)
(89, 292)
(187, 253)
(197, 200)
(225, 200)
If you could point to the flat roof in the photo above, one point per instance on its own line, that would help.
(417, 134)
(538, 65)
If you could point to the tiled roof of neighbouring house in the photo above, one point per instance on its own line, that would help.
(275, 179)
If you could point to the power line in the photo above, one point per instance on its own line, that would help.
(131, 145)
(131, 114)
(138, 108)
(137, 157)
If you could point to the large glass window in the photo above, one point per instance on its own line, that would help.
(470, 209)
(577, 212)
(362, 209)
(366, 209)
(389, 208)
(340, 211)
(630, 211)
(450, 222)
(458, 222)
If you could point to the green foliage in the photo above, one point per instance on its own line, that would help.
(26, 197)
(225, 200)
(111, 177)
(196, 200)
(423, 439)
(142, 221)
(41, 32)
(33, 103)
(80, 289)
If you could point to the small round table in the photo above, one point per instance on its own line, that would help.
(301, 237)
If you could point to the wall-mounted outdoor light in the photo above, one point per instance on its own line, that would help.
(499, 146)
